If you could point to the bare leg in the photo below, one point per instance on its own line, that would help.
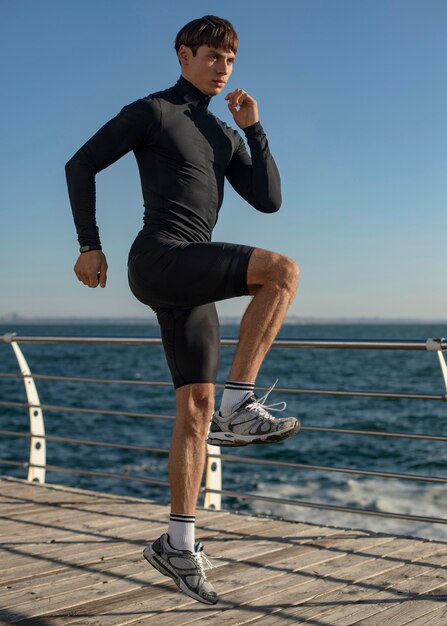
(195, 405)
(273, 280)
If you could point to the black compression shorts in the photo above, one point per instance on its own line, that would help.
(181, 282)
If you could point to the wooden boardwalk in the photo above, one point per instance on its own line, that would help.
(75, 557)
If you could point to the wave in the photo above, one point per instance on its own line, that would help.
(398, 497)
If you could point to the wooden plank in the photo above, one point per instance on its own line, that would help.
(119, 531)
(82, 555)
(56, 583)
(157, 594)
(82, 532)
(130, 534)
(240, 615)
(104, 509)
(273, 570)
(403, 613)
(352, 594)
(438, 617)
(16, 488)
(76, 552)
(265, 530)
(425, 597)
(155, 577)
(352, 604)
(308, 592)
(256, 578)
(56, 500)
(42, 565)
(120, 600)
(45, 525)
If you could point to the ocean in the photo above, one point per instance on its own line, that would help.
(335, 369)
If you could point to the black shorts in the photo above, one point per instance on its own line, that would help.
(181, 282)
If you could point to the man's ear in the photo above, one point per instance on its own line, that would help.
(184, 54)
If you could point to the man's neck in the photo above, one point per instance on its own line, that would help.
(191, 93)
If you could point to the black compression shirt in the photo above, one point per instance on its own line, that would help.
(184, 154)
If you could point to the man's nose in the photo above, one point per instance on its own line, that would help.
(224, 67)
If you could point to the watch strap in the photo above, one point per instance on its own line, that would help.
(89, 248)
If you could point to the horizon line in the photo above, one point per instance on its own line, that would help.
(295, 319)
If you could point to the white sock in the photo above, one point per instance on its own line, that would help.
(234, 394)
(181, 531)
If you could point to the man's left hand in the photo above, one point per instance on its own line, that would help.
(243, 107)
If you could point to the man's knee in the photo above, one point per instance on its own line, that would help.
(289, 273)
(274, 268)
(195, 406)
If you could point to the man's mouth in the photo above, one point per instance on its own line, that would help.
(219, 83)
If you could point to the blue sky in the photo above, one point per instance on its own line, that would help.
(352, 94)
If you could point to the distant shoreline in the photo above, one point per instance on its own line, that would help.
(140, 321)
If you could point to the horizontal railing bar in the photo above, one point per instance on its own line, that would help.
(14, 463)
(369, 394)
(69, 470)
(327, 468)
(371, 433)
(88, 442)
(351, 344)
(77, 379)
(375, 344)
(328, 507)
(140, 479)
(132, 341)
(236, 459)
(67, 409)
(247, 496)
(340, 431)
(233, 458)
(323, 392)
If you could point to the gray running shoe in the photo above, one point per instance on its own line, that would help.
(184, 567)
(251, 423)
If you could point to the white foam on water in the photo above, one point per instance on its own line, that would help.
(394, 496)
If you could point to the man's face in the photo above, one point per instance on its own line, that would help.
(209, 70)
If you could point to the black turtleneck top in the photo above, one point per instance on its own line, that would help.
(184, 154)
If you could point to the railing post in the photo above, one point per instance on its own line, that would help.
(435, 345)
(213, 479)
(37, 450)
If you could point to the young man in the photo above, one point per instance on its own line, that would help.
(184, 154)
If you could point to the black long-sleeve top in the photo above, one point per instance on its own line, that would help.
(184, 154)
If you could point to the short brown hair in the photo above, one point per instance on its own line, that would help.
(208, 30)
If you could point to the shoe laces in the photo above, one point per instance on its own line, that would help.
(199, 558)
(261, 407)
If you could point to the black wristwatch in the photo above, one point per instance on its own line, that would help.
(88, 248)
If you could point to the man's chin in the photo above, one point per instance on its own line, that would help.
(216, 89)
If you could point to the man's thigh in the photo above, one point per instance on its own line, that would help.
(176, 275)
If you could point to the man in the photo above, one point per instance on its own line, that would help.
(184, 154)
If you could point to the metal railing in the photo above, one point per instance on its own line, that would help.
(213, 490)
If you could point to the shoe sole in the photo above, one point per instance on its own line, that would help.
(156, 561)
(231, 440)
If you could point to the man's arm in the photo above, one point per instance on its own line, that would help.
(131, 128)
(256, 179)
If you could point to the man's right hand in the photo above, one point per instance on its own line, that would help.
(91, 268)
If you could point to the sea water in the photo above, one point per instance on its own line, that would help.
(314, 369)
